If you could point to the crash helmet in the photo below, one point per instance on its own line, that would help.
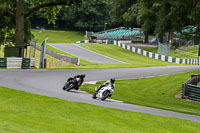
(83, 75)
(112, 80)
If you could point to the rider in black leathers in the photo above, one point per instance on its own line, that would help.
(77, 81)
(81, 76)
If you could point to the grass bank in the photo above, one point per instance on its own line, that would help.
(25, 112)
(133, 59)
(56, 36)
(158, 92)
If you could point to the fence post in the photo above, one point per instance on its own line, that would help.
(78, 62)
(43, 52)
(184, 90)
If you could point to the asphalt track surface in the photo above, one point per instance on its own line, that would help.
(85, 54)
(50, 82)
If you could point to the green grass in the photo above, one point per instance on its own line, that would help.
(56, 36)
(158, 92)
(22, 112)
(133, 60)
(52, 62)
(83, 63)
(1, 52)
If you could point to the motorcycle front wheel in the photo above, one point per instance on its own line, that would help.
(94, 96)
(69, 86)
(105, 95)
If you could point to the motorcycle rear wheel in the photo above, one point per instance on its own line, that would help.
(64, 87)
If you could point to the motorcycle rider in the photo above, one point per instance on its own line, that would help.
(80, 77)
(111, 81)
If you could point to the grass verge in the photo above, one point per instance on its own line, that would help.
(133, 59)
(25, 112)
(158, 92)
(52, 62)
(56, 36)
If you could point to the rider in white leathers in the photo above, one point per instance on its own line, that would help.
(111, 81)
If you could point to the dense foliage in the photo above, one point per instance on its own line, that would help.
(155, 16)
(91, 15)
(159, 16)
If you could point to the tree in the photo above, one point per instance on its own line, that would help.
(192, 8)
(134, 13)
(171, 16)
(93, 14)
(14, 15)
(147, 16)
(130, 16)
(119, 8)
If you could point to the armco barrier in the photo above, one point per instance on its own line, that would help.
(60, 56)
(17, 63)
(153, 55)
(14, 62)
(190, 89)
(25, 63)
(3, 62)
(32, 63)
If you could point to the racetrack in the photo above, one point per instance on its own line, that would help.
(50, 83)
(85, 54)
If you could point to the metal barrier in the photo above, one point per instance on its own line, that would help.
(17, 63)
(60, 56)
(191, 90)
(32, 63)
(3, 62)
(14, 62)
(154, 55)
(25, 63)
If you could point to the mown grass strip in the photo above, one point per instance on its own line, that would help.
(25, 112)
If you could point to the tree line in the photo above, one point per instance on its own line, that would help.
(90, 15)
(153, 16)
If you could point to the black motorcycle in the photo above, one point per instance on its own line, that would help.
(74, 83)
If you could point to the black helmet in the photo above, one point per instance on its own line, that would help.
(83, 75)
(112, 80)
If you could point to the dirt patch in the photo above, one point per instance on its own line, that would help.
(179, 95)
